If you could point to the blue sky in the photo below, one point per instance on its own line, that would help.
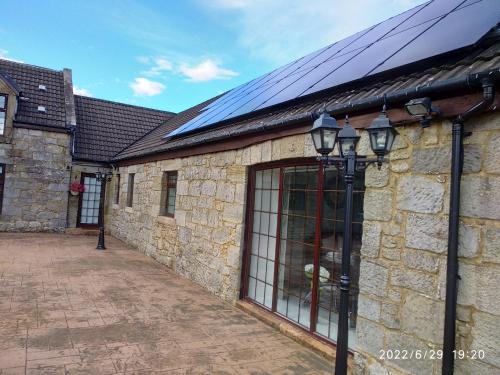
(171, 55)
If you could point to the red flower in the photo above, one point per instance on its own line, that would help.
(76, 186)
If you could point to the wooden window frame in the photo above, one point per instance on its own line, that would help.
(117, 189)
(166, 186)
(130, 189)
(2, 184)
(4, 110)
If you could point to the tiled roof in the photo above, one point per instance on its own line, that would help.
(153, 143)
(104, 128)
(27, 78)
(153, 140)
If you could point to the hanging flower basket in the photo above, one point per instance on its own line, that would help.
(76, 188)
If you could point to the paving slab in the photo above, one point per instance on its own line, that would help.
(67, 308)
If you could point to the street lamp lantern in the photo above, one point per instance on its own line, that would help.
(382, 135)
(348, 139)
(324, 133)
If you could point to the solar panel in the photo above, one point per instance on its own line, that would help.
(470, 28)
(428, 30)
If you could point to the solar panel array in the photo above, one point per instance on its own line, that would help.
(428, 30)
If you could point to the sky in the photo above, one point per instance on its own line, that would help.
(171, 55)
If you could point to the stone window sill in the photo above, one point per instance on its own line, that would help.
(129, 210)
(166, 220)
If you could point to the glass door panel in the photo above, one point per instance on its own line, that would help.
(89, 211)
(264, 233)
(298, 230)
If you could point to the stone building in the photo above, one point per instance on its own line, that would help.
(103, 129)
(230, 194)
(38, 115)
(51, 138)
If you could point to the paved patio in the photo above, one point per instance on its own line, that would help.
(67, 308)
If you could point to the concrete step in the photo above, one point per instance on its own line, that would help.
(290, 330)
(84, 231)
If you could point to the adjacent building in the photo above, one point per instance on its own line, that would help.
(230, 194)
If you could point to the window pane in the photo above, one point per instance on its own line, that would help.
(258, 180)
(2, 122)
(2, 102)
(266, 183)
(117, 189)
(172, 178)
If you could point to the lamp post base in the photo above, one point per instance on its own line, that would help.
(100, 243)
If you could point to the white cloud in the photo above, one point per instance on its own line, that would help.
(4, 55)
(207, 70)
(144, 87)
(81, 91)
(160, 65)
(231, 4)
(143, 59)
(282, 30)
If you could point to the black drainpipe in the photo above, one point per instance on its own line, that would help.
(453, 225)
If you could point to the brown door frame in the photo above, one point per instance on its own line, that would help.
(79, 224)
(248, 235)
(2, 185)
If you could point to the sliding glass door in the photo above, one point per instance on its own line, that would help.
(294, 244)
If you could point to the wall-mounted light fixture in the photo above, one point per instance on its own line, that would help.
(423, 109)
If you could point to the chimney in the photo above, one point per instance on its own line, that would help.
(69, 99)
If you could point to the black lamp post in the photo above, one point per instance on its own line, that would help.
(382, 136)
(102, 177)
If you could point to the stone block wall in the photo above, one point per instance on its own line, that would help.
(204, 241)
(36, 181)
(403, 266)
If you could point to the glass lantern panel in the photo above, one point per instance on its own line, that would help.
(345, 146)
(378, 140)
(316, 136)
(329, 139)
(391, 134)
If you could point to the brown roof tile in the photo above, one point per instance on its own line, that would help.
(104, 128)
(27, 78)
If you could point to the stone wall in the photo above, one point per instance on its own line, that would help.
(403, 268)
(204, 241)
(36, 181)
(402, 277)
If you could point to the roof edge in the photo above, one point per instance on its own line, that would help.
(123, 104)
(32, 66)
(469, 81)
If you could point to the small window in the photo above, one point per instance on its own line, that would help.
(130, 190)
(169, 191)
(3, 110)
(117, 189)
(2, 183)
